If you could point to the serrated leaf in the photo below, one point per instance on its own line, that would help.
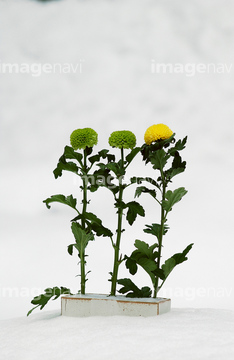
(145, 257)
(180, 145)
(64, 165)
(132, 290)
(102, 177)
(42, 300)
(148, 150)
(181, 257)
(144, 189)
(178, 166)
(105, 154)
(81, 237)
(155, 229)
(168, 266)
(145, 249)
(96, 225)
(116, 168)
(94, 158)
(176, 259)
(134, 209)
(159, 159)
(173, 197)
(70, 153)
(67, 200)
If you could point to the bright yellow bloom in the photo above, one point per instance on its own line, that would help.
(157, 132)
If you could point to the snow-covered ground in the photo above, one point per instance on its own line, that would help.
(115, 46)
(195, 334)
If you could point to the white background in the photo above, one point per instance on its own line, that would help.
(116, 41)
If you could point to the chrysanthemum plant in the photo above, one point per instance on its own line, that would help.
(116, 170)
(163, 153)
(85, 224)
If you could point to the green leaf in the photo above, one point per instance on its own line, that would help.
(155, 229)
(42, 300)
(145, 257)
(168, 266)
(105, 154)
(159, 159)
(134, 209)
(180, 145)
(136, 180)
(117, 169)
(102, 177)
(176, 259)
(70, 153)
(67, 200)
(96, 225)
(132, 290)
(173, 197)
(132, 154)
(70, 249)
(64, 165)
(94, 158)
(177, 166)
(81, 237)
(144, 189)
(148, 150)
(145, 249)
(181, 257)
(131, 265)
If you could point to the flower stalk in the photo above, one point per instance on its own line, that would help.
(84, 202)
(116, 246)
(160, 238)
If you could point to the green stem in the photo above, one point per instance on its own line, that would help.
(161, 232)
(84, 202)
(119, 232)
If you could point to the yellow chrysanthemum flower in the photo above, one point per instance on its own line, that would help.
(122, 139)
(81, 138)
(157, 132)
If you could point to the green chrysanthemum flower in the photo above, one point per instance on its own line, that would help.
(81, 138)
(122, 139)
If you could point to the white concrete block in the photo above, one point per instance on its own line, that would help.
(104, 305)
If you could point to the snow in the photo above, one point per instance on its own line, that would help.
(181, 334)
(116, 43)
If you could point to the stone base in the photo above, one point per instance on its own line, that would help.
(104, 305)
